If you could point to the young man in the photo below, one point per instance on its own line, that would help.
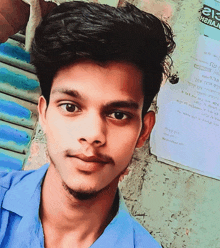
(99, 68)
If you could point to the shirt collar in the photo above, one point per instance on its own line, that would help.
(17, 199)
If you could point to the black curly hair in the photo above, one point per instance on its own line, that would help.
(78, 30)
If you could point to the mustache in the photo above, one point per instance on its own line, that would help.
(97, 157)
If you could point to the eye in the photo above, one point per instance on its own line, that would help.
(69, 107)
(118, 115)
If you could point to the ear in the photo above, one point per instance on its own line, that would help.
(42, 108)
(148, 124)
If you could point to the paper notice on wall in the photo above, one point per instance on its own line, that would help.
(187, 130)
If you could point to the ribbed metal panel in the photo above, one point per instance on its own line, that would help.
(18, 83)
(17, 111)
(10, 160)
(19, 93)
(14, 137)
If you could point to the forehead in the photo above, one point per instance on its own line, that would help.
(115, 79)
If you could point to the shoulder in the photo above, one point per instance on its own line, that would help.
(16, 181)
(9, 179)
(142, 238)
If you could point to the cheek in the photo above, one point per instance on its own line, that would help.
(124, 142)
(61, 134)
(56, 133)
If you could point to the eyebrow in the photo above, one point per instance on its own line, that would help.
(122, 104)
(72, 93)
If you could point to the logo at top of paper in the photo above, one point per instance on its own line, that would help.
(210, 16)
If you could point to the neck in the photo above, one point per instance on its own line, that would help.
(62, 213)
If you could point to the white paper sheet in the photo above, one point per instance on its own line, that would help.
(187, 129)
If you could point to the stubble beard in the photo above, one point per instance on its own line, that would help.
(83, 195)
(88, 195)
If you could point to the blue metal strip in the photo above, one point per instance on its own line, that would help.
(14, 52)
(17, 80)
(8, 133)
(14, 109)
(8, 163)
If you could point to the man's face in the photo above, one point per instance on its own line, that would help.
(93, 123)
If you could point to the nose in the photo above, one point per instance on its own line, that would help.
(93, 131)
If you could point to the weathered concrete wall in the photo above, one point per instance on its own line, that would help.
(38, 151)
(180, 208)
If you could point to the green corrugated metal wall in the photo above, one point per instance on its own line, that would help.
(19, 92)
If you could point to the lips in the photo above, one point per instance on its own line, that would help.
(93, 159)
(91, 163)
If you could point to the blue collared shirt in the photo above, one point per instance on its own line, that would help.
(20, 225)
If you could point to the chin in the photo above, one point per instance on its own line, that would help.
(82, 194)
